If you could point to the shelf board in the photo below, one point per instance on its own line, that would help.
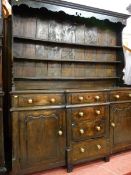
(63, 78)
(64, 60)
(37, 40)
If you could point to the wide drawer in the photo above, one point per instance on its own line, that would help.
(90, 149)
(86, 130)
(120, 95)
(91, 97)
(26, 100)
(90, 113)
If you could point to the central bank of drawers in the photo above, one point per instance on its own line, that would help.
(89, 115)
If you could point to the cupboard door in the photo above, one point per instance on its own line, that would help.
(41, 138)
(120, 126)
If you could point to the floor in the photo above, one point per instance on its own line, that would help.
(119, 164)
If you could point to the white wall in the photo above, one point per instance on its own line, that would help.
(113, 5)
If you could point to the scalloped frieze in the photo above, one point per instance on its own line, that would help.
(74, 9)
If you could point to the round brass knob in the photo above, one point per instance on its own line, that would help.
(98, 128)
(81, 114)
(97, 97)
(73, 124)
(82, 150)
(129, 95)
(81, 98)
(98, 112)
(82, 131)
(30, 101)
(117, 96)
(52, 100)
(113, 124)
(99, 147)
(60, 133)
(15, 96)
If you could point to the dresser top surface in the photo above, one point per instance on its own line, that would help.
(69, 90)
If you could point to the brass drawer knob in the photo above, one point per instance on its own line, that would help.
(117, 96)
(60, 133)
(15, 96)
(82, 150)
(30, 101)
(82, 131)
(81, 114)
(129, 95)
(52, 100)
(98, 128)
(97, 97)
(98, 112)
(99, 147)
(113, 124)
(81, 98)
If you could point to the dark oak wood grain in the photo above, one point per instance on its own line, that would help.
(90, 149)
(63, 65)
(30, 100)
(45, 149)
(2, 148)
(120, 126)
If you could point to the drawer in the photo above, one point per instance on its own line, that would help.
(90, 113)
(96, 97)
(90, 149)
(29, 100)
(120, 95)
(85, 130)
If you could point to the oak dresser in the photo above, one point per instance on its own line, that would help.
(67, 102)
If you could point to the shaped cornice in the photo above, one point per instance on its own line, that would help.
(74, 9)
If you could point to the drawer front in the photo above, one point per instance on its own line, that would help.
(85, 130)
(38, 100)
(79, 98)
(90, 113)
(90, 149)
(120, 95)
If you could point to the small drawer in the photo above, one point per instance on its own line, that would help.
(79, 98)
(90, 113)
(86, 130)
(120, 95)
(37, 100)
(90, 149)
